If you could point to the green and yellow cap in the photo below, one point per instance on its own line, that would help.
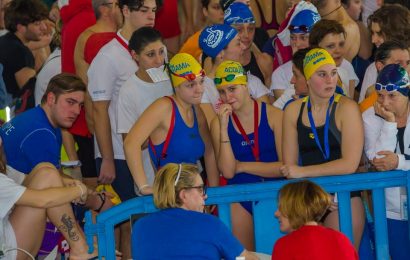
(230, 73)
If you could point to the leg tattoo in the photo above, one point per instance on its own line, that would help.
(68, 226)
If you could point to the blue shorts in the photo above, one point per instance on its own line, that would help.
(399, 243)
(123, 183)
(242, 178)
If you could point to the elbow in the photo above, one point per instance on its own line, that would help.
(227, 173)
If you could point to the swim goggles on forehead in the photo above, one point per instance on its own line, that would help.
(189, 76)
(227, 78)
(302, 28)
(389, 87)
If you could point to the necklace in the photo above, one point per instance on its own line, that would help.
(337, 8)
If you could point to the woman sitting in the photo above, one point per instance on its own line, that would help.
(387, 127)
(25, 209)
(323, 133)
(301, 206)
(247, 138)
(180, 230)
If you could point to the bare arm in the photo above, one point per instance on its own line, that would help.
(352, 43)
(290, 144)
(209, 156)
(24, 75)
(225, 158)
(189, 18)
(69, 145)
(208, 111)
(366, 46)
(81, 66)
(104, 141)
(156, 115)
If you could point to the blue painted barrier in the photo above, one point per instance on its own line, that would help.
(265, 194)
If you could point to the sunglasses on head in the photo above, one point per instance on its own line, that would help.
(388, 87)
(302, 28)
(227, 78)
(189, 76)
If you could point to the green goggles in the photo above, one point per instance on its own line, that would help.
(227, 78)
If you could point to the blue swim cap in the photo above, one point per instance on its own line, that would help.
(213, 39)
(238, 13)
(393, 77)
(303, 21)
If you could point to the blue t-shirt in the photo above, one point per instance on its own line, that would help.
(182, 234)
(186, 144)
(29, 139)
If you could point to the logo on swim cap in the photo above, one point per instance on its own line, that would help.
(214, 37)
(181, 66)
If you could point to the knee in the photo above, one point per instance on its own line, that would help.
(45, 175)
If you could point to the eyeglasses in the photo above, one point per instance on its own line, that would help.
(302, 28)
(201, 188)
(188, 76)
(389, 87)
(227, 78)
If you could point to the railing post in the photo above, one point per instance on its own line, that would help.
(407, 204)
(224, 212)
(345, 214)
(380, 224)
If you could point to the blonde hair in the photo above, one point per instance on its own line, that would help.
(167, 187)
(303, 201)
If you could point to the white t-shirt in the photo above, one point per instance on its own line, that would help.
(134, 97)
(211, 94)
(281, 77)
(51, 67)
(346, 74)
(112, 66)
(369, 79)
(10, 192)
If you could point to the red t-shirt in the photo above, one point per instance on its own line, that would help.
(166, 19)
(314, 242)
(94, 43)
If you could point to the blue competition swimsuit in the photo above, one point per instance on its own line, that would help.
(243, 152)
(185, 146)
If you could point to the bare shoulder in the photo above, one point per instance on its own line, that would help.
(347, 108)
(292, 110)
(273, 111)
(82, 39)
(163, 104)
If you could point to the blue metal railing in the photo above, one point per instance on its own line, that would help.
(265, 194)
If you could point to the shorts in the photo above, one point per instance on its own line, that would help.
(123, 183)
(86, 155)
(353, 194)
(243, 178)
(398, 232)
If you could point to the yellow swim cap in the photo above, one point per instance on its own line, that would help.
(314, 59)
(183, 67)
(230, 73)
